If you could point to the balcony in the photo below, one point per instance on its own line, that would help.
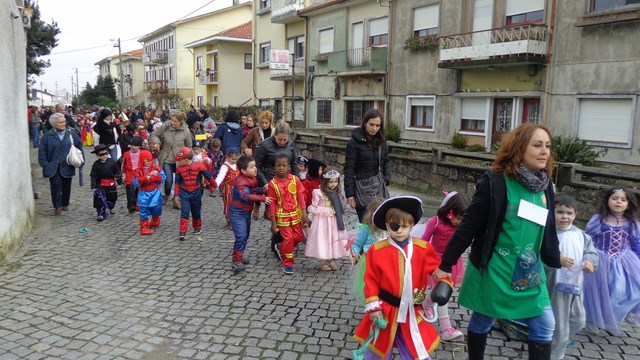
(208, 77)
(359, 62)
(285, 75)
(156, 58)
(157, 87)
(286, 11)
(520, 45)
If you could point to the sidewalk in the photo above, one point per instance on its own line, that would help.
(110, 293)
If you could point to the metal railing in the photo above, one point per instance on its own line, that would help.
(208, 77)
(359, 57)
(283, 7)
(492, 36)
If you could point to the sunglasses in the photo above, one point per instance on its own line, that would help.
(103, 154)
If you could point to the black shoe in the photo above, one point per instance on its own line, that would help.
(237, 267)
(197, 231)
(100, 217)
(112, 211)
(183, 236)
(246, 261)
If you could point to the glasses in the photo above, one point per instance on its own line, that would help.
(103, 154)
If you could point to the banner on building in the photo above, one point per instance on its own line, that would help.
(279, 60)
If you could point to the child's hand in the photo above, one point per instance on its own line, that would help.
(566, 261)
(376, 315)
(439, 274)
(588, 267)
(274, 228)
(268, 200)
(355, 258)
(153, 173)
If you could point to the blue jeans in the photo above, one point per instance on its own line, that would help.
(191, 202)
(169, 170)
(35, 130)
(113, 153)
(60, 190)
(540, 327)
(241, 224)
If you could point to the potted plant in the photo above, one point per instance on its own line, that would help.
(415, 43)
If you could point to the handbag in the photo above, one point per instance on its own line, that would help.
(369, 188)
(74, 158)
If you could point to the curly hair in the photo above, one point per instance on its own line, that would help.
(630, 213)
(514, 146)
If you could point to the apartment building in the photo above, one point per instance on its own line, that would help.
(132, 77)
(169, 66)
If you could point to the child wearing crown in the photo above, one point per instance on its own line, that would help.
(327, 206)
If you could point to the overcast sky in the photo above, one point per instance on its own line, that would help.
(87, 25)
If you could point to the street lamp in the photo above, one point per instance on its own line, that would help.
(117, 44)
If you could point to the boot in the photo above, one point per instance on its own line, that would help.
(165, 198)
(144, 227)
(184, 225)
(256, 212)
(197, 226)
(155, 222)
(176, 203)
(539, 350)
(476, 344)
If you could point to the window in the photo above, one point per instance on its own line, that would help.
(296, 47)
(356, 110)
(171, 73)
(602, 5)
(171, 42)
(425, 20)
(248, 61)
(473, 114)
(606, 120)
(277, 109)
(421, 111)
(265, 52)
(199, 100)
(215, 100)
(324, 112)
(265, 4)
(379, 32)
(264, 103)
(199, 63)
(299, 110)
(524, 12)
(325, 41)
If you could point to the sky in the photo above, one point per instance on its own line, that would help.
(86, 27)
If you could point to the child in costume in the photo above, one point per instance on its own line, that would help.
(200, 155)
(312, 178)
(87, 131)
(367, 234)
(613, 291)
(303, 167)
(288, 211)
(395, 283)
(104, 174)
(154, 147)
(326, 230)
(187, 186)
(577, 254)
(226, 177)
(130, 161)
(245, 193)
(438, 232)
(147, 178)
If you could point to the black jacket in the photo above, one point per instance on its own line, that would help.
(105, 131)
(104, 170)
(265, 158)
(482, 224)
(361, 161)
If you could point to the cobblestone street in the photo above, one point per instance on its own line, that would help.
(109, 293)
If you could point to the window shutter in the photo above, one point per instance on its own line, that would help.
(515, 7)
(426, 17)
(423, 101)
(326, 41)
(473, 108)
(605, 120)
(379, 26)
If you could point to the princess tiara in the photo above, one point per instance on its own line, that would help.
(331, 174)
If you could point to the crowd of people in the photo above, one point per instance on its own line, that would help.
(541, 269)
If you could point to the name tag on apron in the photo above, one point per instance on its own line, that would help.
(533, 212)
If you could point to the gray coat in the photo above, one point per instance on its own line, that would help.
(172, 141)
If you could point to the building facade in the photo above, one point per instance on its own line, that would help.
(132, 77)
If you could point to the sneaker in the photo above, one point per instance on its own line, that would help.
(451, 334)
(288, 270)
(237, 267)
(112, 211)
(58, 211)
(246, 261)
(65, 208)
(197, 231)
(100, 218)
(571, 343)
(324, 266)
(276, 250)
(182, 236)
(332, 264)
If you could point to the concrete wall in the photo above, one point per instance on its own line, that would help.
(265, 31)
(16, 192)
(595, 60)
(235, 81)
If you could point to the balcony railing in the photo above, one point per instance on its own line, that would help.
(285, 75)
(157, 57)
(523, 41)
(369, 59)
(157, 86)
(286, 11)
(208, 77)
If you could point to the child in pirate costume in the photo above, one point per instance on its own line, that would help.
(395, 283)
(104, 174)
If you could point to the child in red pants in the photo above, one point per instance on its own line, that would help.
(288, 211)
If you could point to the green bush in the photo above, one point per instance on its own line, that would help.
(475, 148)
(573, 150)
(459, 141)
(393, 132)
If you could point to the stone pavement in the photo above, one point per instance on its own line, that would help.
(111, 294)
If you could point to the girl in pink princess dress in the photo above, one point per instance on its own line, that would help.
(438, 232)
(327, 228)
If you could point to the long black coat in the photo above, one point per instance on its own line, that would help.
(361, 161)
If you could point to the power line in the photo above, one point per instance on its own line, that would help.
(201, 7)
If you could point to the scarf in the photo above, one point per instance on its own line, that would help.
(337, 206)
(534, 182)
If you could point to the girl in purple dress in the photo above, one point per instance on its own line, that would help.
(612, 293)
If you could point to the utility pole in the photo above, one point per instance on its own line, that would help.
(120, 80)
(71, 88)
(41, 95)
(77, 82)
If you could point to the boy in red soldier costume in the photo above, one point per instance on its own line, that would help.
(188, 180)
(395, 282)
(147, 178)
(130, 161)
(288, 211)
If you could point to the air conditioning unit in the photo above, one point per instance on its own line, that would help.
(27, 13)
(20, 3)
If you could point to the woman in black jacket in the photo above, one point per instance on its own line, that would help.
(510, 225)
(367, 154)
(108, 131)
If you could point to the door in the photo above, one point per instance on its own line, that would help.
(531, 111)
(482, 20)
(356, 52)
(502, 118)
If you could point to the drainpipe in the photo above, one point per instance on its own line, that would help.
(307, 118)
(547, 81)
(387, 90)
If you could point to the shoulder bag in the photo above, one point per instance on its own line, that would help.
(374, 186)
(74, 158)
